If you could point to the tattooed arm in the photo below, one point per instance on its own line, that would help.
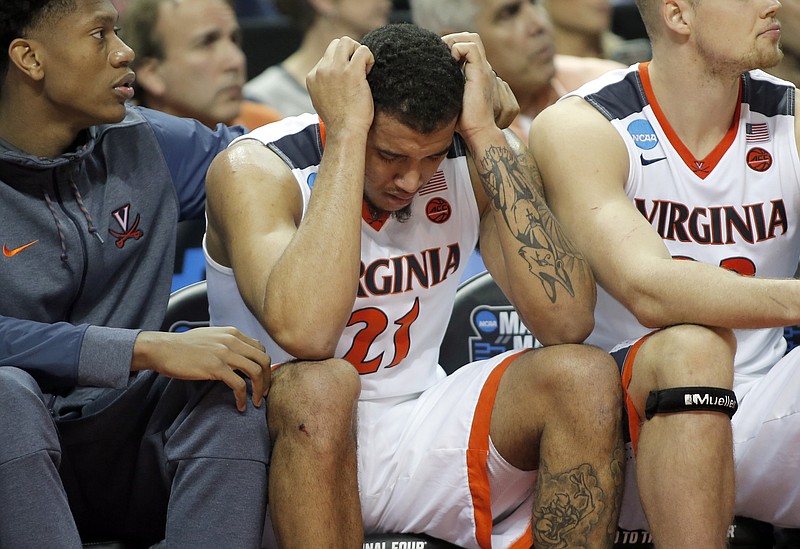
(539, 269)
(545, 279)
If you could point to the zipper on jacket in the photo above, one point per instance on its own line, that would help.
(81, 238)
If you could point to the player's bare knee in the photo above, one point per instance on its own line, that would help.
(589, 383)
(582, 375)
(685, 368)
(693, 355)
(563, 367)
(313, 398)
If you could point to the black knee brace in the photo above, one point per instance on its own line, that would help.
(691, 399)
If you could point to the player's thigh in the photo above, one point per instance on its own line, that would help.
(423, 460)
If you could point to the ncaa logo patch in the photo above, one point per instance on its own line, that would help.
(438, 210)
(759, 160)
(497, 329)
(643, 134)
(486, 322)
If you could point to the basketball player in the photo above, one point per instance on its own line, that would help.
(680, 181)
(326, 239)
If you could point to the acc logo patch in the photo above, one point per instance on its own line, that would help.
(438, 210)
(643, 134)
(759, 160)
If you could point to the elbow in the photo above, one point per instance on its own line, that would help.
(650, 319)
(578, 329)
(568, 327)
(306, 342)
(649, 310)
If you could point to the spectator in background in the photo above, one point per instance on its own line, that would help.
(583, 28)
(789, 67)
(519, 45)
(189, 61)
(283, 86)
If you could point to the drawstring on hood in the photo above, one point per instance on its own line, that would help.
(92, 229)
(84, 210)
(59, 228)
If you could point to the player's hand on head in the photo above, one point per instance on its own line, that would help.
(478, 110)
(207, 354)
(505, 104)
(338, 85)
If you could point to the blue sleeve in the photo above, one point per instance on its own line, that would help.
(63, 355)
(49, 352)
(189, 147)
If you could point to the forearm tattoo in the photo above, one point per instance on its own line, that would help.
(566, 507)
(514, 186)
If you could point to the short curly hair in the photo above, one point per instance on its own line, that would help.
(415, 79)
(18, 17)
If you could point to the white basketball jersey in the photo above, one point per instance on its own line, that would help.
(409, 270)
(737, 208)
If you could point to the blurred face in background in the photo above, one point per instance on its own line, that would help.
(203, 68)
(359, 17)
(518, 43)
(591, 17)
(789, 16)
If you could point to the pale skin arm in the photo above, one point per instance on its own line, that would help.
(629, 259)
(523, 247)
(282, 266)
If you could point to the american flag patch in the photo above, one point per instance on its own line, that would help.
(757, 133)
(435, 185)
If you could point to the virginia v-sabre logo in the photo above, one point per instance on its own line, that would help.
(129, 230)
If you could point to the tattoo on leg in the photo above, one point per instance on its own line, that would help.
(566, 507)
(618, 478)
(514, 186)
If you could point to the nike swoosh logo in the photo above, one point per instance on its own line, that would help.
(15, 251)
(648, 161)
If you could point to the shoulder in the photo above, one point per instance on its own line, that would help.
(568, 114)
(573, 127)
(173, 131)
(768, 94)
(298, 140)
(573, 72)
